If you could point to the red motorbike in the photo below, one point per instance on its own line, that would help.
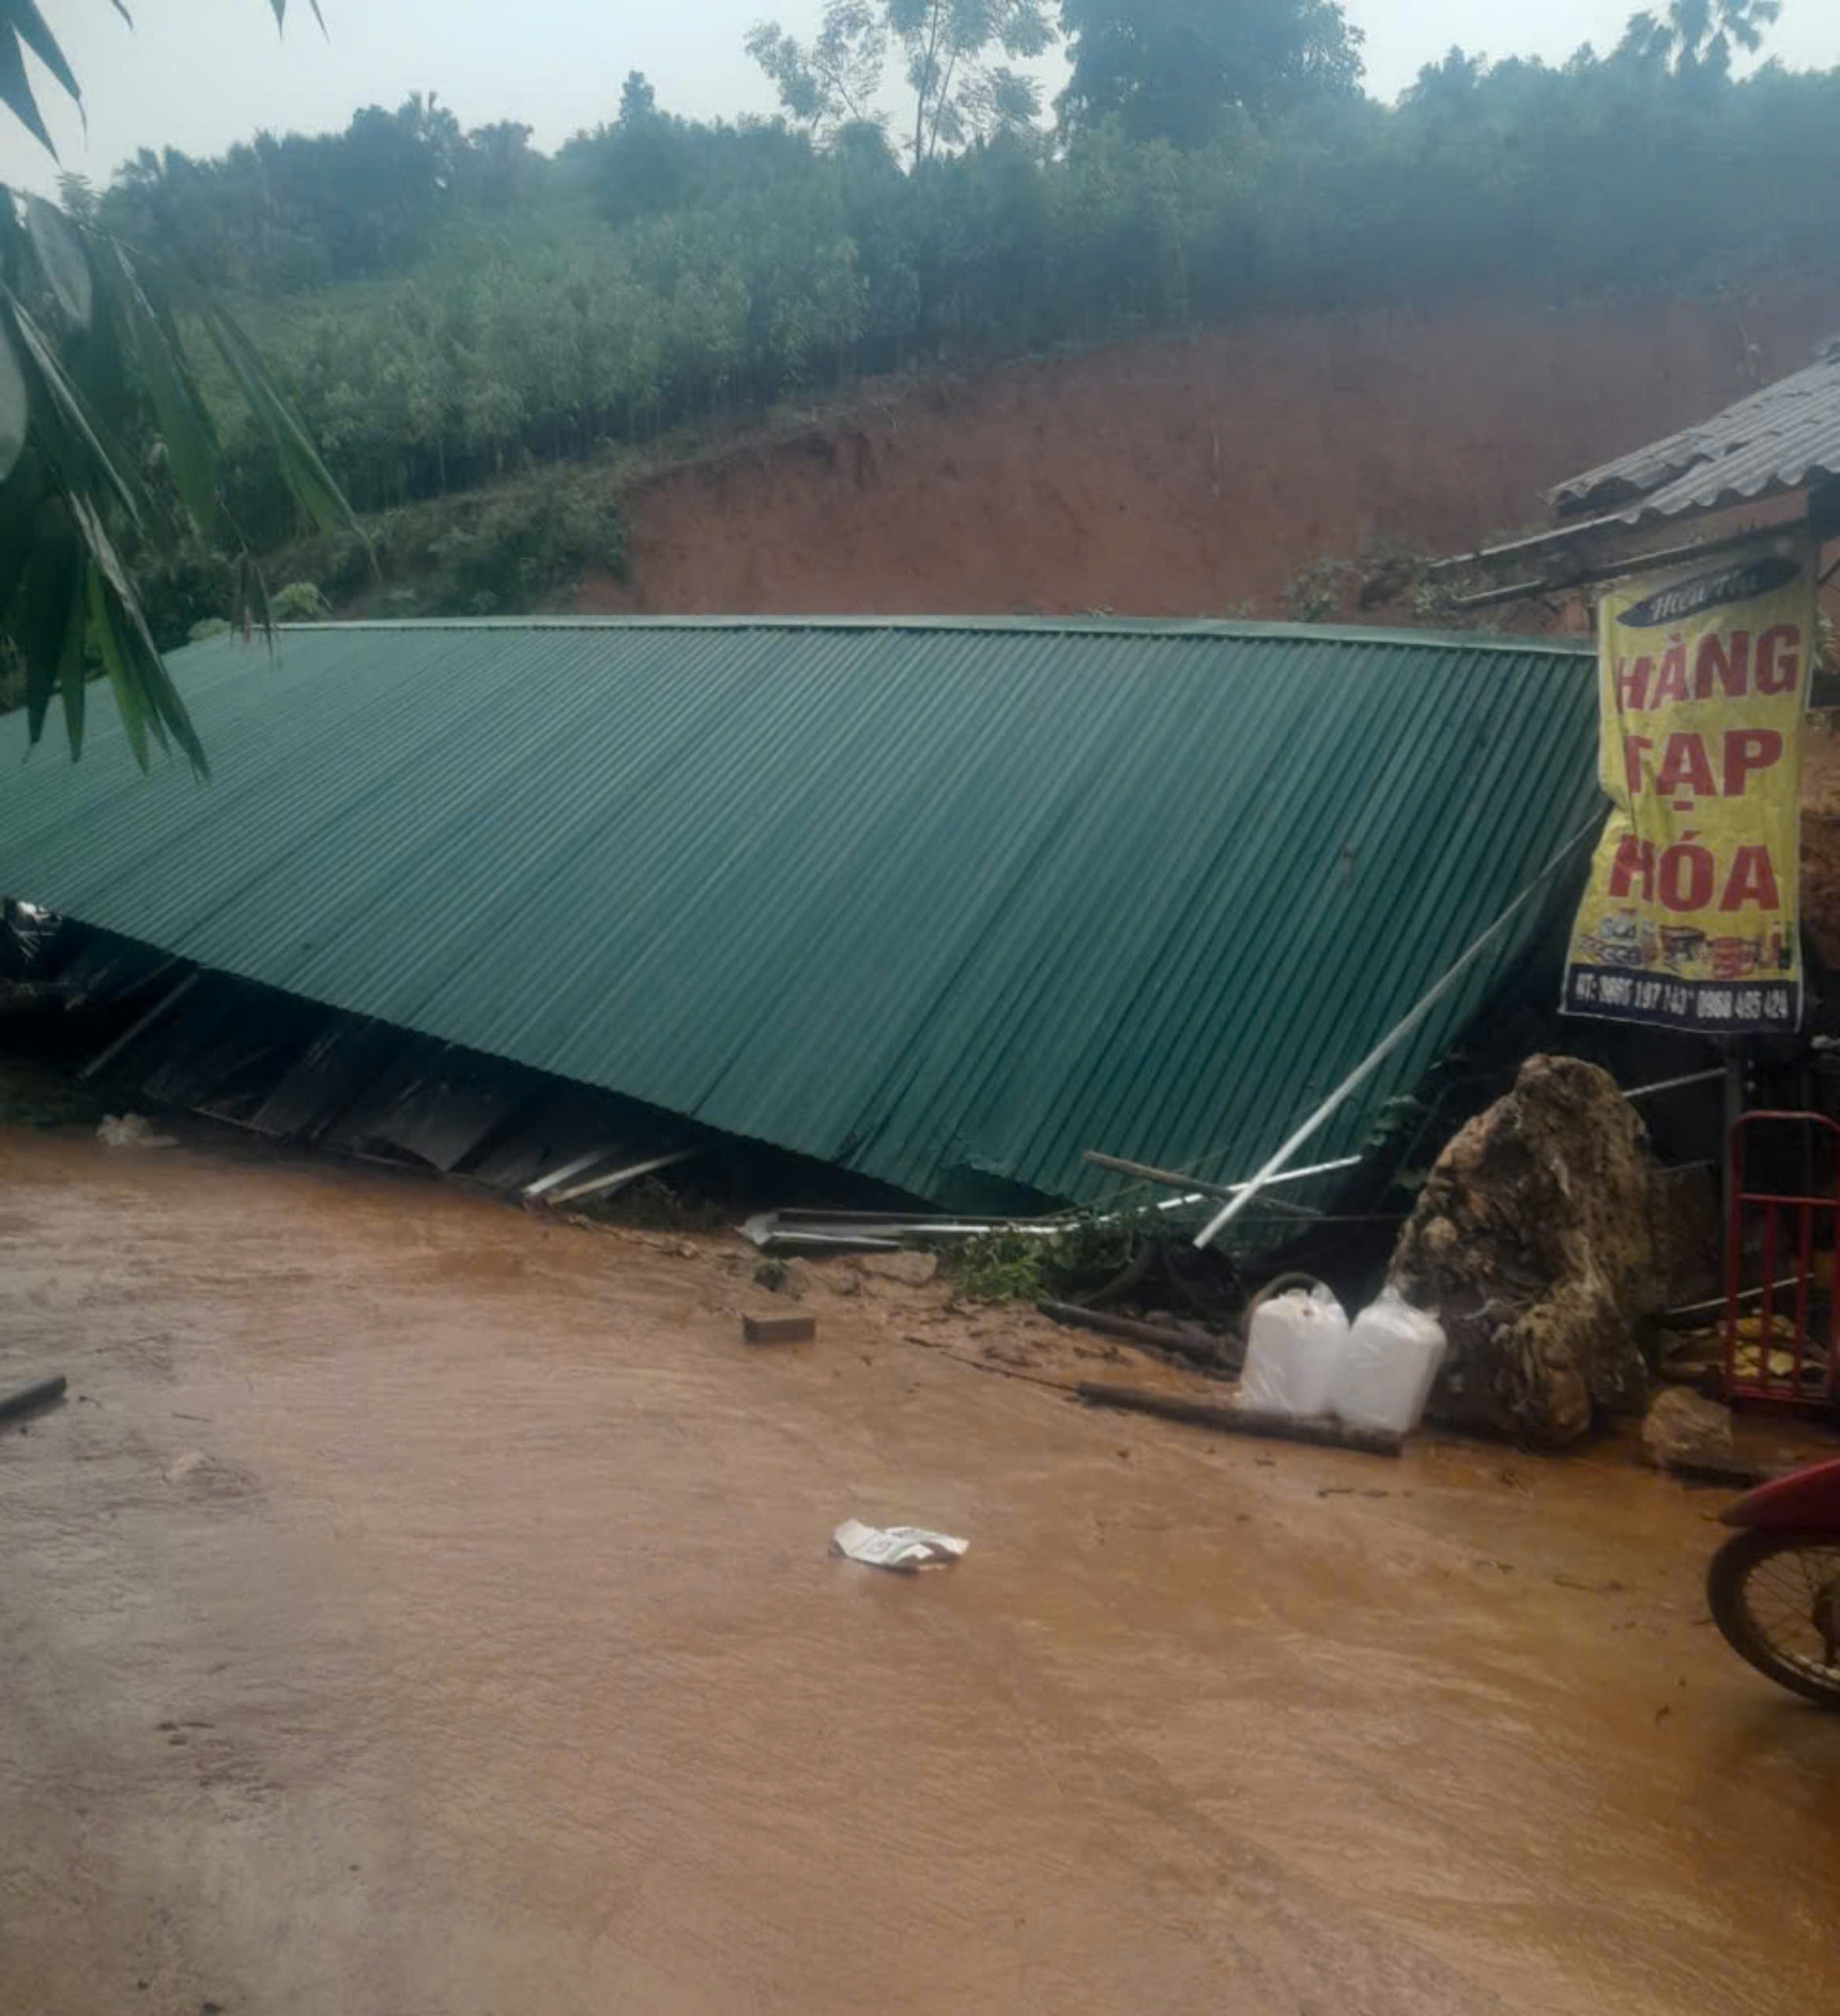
(1774, 1586)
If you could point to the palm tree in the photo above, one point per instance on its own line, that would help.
(1698, 37)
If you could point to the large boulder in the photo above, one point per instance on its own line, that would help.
(1534, 1243)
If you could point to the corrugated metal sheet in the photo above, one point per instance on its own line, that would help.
(936, 900)
(1776, 439)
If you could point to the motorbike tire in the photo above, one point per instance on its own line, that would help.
(1728, 1579)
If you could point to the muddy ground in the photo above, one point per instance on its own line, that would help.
(421, 1607)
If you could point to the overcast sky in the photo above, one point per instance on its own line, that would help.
(199, 74)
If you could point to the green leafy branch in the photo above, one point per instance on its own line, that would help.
(106, 440)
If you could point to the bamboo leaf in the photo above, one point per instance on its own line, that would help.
(70, 404)
(19, 511)
(23, 17)
(128, 703)
(72, 670)
(147, 699)
(143, 671)
(61, 259)
(185, 426)
(15, 406)
(41, 616)
(249, 607)
(305, 474)
(95, 536)
(15, 90)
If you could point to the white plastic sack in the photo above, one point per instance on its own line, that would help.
(1292, 1353)
(130, 1130)
(903, 1547)
(1391, 1356)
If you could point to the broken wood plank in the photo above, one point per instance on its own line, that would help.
(778, 1329)
(1202, 1345)
(28, 1399)
(1242, 1421)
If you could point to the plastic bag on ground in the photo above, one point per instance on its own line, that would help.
(1293, 1352)
(130, 1130)
(903, 1547)
(1391, 1356)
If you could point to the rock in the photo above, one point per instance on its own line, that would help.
(1533, 1244)
(778, 1329)
(795, 1278)
(913, 1270)
(1684, 1427)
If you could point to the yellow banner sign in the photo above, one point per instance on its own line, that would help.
(1690, 920)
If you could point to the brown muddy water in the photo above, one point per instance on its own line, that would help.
(422, 1610)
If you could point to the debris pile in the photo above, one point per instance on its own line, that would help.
(1535, 1244)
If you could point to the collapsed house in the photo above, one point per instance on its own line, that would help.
(940, 903)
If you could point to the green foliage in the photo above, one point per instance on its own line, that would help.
(181, 587)
(1087, 1252)
(1314, 594)
(832, 80)
(109, 464)
(109, 458)
(1173, 69)
(1696, 37)
(300, 601)
(448, 310)
(503, 550)
(950, 50)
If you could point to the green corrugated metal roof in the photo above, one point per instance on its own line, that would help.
(925, 898)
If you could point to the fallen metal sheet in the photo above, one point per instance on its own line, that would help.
(349, 1053)
(292, 1069)
(105, 968)
(435, 1104)
(884, 1231)
(1391, 1041)
(221, 1054)
(879, 1231)
(569, 1130)
(600, 1186)
(160, 1008)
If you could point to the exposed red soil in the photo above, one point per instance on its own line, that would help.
(1197, 474)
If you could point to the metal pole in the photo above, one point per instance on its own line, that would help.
(1734, 1103)
(1388, 1043)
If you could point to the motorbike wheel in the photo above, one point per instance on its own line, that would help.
(1775, 1596)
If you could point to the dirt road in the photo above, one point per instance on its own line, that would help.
(422, 1610)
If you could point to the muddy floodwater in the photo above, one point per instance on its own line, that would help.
(422, 1609)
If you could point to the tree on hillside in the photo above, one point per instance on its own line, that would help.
(831, 81)
(954, 50)
(495, 166)
(1697, 37)
(1170, 70)
(106, 447)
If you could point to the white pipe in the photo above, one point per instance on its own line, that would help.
(1371, 1062)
